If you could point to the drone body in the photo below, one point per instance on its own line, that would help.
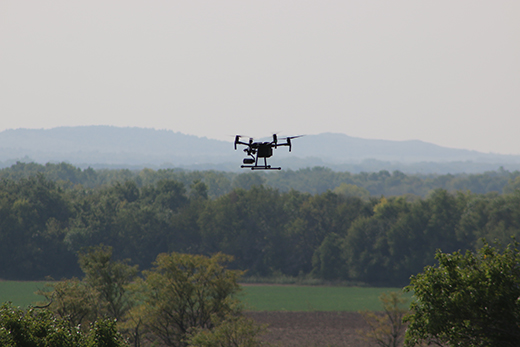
(264, 150)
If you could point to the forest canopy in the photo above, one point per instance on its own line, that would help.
(336, 233)
(314, 180)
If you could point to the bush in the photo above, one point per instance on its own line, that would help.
(39, 328)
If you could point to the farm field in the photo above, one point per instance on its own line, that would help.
(312, 329)
(304, 316)
(311, 316)
(20, 293)
(254, 297)
(312, 298)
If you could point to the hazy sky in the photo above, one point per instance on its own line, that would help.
(446, 72)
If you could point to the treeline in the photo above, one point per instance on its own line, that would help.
(331, 235)
(315, 180)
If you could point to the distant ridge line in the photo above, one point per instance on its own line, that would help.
(135, 146)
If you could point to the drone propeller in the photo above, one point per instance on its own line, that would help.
(237, 140)
(289, 138)
(292, 137)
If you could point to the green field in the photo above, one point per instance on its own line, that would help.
(255, 297)
(20, 293)
(313, 298)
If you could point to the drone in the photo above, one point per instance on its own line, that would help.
(264, 150)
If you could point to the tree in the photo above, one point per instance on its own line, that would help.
(467, 299)
(171, 194)
(235, 331)
(102, 293)
(367, 247)
(39, 328)
(248, 180)
(350, 190)
(34, 328)
(198, 190)
(186, 291)
(109, 278)
(33, 221)
(317, 217)
(73, 301)
(248, 225)
(387, 329)
(328, 261)
(103, 333)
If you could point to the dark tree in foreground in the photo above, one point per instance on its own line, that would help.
(39, 328)
(469, 299)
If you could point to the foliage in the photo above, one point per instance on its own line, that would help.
(247, 225)
(331, 235)
(349, 190)
(185, 291)
(72, 300)
(102, 293)
(39, 328)
(234, 331)
(327, 261)
(34, 214)
(387, 329)
(34, 328)
(316, 180)
(103, 333)
(108, 278)
(468, 299)
(368, 247)
(248, 180)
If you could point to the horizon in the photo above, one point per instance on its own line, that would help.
(231, 140)
(444, 73)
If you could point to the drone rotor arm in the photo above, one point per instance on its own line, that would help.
(288, 141)
(238, 142)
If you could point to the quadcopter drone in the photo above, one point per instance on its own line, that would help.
(261, 150)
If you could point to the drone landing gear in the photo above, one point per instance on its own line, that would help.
(256, 167)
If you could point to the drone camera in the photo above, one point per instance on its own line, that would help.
(248, 161)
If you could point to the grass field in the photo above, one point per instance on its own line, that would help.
(20, 293)
(255, 297)
(313, 298)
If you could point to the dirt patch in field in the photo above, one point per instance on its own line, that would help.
(311, 329)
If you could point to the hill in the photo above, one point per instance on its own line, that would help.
(109, 146)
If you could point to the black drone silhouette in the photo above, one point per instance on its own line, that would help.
(262, 150)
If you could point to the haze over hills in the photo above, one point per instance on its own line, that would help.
(109, 146)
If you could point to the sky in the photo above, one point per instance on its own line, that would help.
(445, 72)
